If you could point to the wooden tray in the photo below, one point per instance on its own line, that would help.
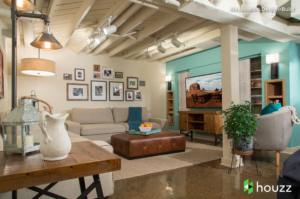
(138, 132)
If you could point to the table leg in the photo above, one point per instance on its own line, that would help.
(82, 185)
(14, 194)
(98, 187)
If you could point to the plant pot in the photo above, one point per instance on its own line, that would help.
(244, 145)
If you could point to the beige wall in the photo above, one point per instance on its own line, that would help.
(53, 89)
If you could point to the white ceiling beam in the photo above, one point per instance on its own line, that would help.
(148, 30)
(39, 5)
(281, 2)
(276, 29)
(129, 21)
(27, 33)
(114, 11)
(79, 16)
(247, 35)
(188, 44)
(179, 55)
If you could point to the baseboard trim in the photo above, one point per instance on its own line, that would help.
(290, 150)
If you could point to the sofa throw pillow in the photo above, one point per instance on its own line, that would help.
(270, 109)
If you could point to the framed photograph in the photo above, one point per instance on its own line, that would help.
(67, 76)
(96, 68)
(108, 73)
(116, 91)
(96, 75)
(129, 95)
(142, 83)
(132, 83)
(1, 76)
(118, 74)
(79, 74)
(138, 96)
(77, 92)
(98, 90)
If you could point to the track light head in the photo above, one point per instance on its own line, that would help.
(91, 46)
(110, 30)
(175, 42)
(100, 38)
(148, 55)
(161, 49)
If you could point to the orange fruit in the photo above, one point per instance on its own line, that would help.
(151, 125)
(147, 125)
(142, 125)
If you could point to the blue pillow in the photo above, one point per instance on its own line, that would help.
(270, 109)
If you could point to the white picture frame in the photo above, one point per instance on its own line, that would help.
(107, 73)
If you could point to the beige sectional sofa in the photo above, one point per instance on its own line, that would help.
(101, 123)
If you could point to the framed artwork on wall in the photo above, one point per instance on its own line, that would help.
(138, 96)
(142, 83)
(67, 76)
(96, 75)
(132, 83)
(96, 68)
(1, 76)
(108, 73)
(129, 95)
(98, 90)
(77, 92)
(118, 74)
(79, 74)
(116, 91)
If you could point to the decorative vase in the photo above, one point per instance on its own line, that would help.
(56, 144)
(245, 144)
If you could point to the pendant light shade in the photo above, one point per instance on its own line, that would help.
(46, 41)
(110, 30)
(37, 67)
(25, 5)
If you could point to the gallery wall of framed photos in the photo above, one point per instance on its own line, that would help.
(97, 72)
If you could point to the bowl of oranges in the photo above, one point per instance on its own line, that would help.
(146, 127)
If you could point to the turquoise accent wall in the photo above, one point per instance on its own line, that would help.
(209, 61)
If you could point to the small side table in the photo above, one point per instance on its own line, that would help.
(244, 154)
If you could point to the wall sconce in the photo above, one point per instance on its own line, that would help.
(273, 59)
(168, 79)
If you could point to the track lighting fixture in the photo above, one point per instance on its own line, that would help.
(111, 28)
(46, 41)
(147, 54)
(25, 5)
(91, 46)
(175, 42)
(100, 38)
(161, 49)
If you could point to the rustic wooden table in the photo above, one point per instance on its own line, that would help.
(85, 159)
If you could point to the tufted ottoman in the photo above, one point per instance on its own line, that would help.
(136, 146)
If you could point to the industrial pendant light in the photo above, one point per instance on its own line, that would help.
(110, 29)
(37, 66)
(25, 5)
(46, 41)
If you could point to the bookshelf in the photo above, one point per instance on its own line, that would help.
(275, 91)
(256, 85)
(170, 107)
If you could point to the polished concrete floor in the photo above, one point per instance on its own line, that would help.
(207, 180)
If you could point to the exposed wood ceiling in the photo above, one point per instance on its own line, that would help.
(73, 22)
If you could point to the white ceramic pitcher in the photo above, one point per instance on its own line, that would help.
(56, 143)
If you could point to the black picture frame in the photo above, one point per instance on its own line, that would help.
(127, 91)
(92, 90)
(119, 73)
(75, 76)
(121, 93)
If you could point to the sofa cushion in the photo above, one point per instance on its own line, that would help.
(120, 114)
(94, 129)
(270, 109)
(155, 125)
(145, 117)
(92, 116)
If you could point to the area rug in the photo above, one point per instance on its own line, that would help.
(195, 154)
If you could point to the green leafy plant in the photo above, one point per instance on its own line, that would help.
(240, 121)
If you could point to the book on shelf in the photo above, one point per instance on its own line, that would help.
(171, 119)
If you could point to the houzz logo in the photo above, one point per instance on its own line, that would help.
(248, 186)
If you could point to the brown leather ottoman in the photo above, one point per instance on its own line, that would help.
(135, 146)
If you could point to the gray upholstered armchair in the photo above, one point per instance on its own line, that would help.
(275, 132)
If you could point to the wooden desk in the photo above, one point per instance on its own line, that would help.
(201, 121)
(85, 159)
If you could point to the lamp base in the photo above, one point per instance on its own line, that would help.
(274, 71)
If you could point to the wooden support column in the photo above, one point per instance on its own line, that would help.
(230, 83)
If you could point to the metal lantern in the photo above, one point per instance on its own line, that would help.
(23, 115)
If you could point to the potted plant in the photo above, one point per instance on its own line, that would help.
(240, 124)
